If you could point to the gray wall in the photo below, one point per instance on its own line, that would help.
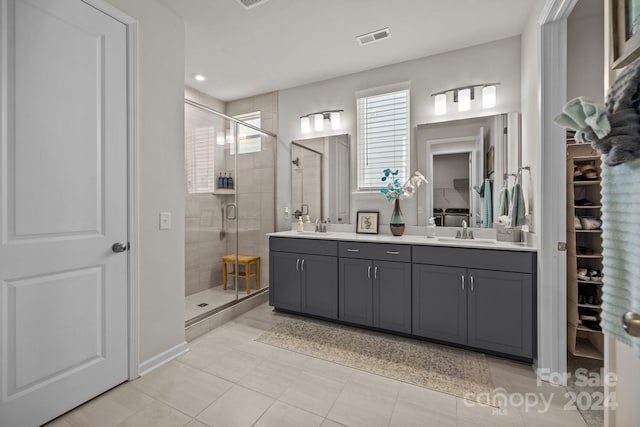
(160, 174)
(585, 47)
(492, 62)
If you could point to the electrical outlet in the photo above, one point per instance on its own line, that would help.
(165, 220)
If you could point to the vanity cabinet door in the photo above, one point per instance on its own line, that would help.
(356, 291)
(501, 312)
(440, 303)
(320, 285)
(392, 296)
(284, 280)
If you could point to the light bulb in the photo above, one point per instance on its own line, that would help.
(464, 99)
(318, 122)
(335, 120)
(305, 125)
(488, 96)
(440, 104)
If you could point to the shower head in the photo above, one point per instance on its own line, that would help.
(296, 161)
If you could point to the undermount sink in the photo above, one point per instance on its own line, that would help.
(472, 241)
(312, 233)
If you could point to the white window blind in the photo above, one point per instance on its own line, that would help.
(383, 137)
(199, 158)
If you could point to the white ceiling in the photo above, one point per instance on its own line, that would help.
(286, 43)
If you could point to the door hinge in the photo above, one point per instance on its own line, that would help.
(562, 246)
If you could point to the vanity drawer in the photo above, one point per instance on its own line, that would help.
(485, 259)
(304, 246)
(375, 251)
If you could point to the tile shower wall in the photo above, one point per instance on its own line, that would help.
(209, 235)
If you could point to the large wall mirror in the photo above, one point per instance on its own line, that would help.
(320, 187)
(457, 157)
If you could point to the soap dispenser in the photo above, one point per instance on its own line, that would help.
(300, 224)
(431, 227)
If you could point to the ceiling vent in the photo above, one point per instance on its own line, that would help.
(374, 36)
(248, 4)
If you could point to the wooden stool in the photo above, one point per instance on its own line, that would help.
(243, 260)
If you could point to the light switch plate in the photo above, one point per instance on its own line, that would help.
(165, 220)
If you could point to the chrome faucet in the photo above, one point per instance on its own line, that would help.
(465, 234)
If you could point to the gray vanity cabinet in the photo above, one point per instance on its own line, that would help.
(501, 312)
(304, 276)
(372, 290)
(481, 298)
(440, 303)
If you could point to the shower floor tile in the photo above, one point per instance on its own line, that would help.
(213, 297)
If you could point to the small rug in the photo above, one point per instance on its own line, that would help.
(457, 372)
(593, 416)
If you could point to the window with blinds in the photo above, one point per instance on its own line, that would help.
(383, 137)
(199, 158)
(249, 140)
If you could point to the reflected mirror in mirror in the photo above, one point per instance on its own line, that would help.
(320, 179)
(457, 157)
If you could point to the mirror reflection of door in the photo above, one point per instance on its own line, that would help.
(451, 189)
(306, 182)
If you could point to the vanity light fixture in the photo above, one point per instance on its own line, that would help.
(463, 96)
(318, 120)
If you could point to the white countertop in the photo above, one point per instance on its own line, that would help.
(409, 239)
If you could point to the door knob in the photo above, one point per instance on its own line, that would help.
(631, 323)
(119, 247)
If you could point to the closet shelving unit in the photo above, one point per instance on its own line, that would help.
(582, 340)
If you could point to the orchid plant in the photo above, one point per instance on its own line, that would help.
(394, 190)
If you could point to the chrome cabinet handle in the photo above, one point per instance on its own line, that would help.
(298, 264)
(353, 250)
(375, 272)
(471, 283)
(462, 279)
(393, 252)
(369, 272)
(302, 266)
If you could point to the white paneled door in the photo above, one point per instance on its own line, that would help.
(63, 206)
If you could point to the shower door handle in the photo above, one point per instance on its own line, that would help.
(232, 211)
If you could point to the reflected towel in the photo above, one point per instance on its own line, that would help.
(487, 205)
(621, 245)
(503, 208)
(516, 207)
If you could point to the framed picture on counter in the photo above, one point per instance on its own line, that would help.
(367, 223)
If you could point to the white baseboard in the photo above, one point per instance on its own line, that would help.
(162, 358)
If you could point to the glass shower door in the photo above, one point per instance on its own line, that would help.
(253, 158)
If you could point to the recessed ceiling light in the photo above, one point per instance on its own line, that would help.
(199, 77)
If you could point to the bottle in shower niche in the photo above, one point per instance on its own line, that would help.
(220, 181)
(230, 182)
(225, 180)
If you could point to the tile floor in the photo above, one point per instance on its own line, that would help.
(228, 379)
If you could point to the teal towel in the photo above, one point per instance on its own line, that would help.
(580, 113)
(503, 208)
(516, 207)
(621, 246)
(487, 205)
